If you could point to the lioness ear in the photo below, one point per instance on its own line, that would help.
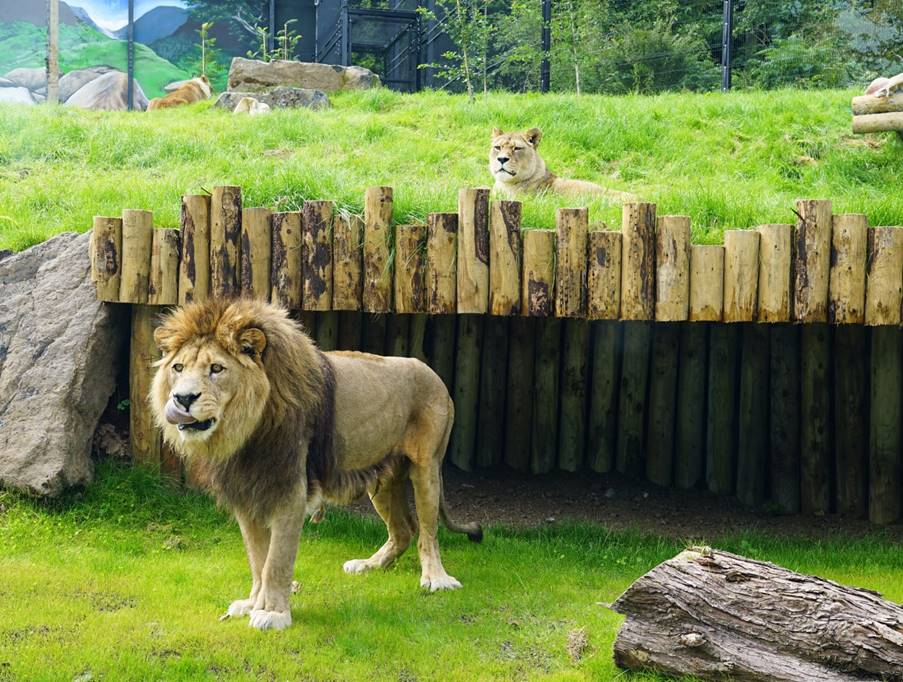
(252, 341)
(534, 135)
(496, 132)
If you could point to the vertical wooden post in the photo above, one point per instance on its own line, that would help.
(815, 432)
(377, 294)
(440, 343)
(849, 249)
(519, 404)
(752, 415)
(741, 274)
(417, 336)
(689, 442)
(467, 387)
(106, 257)
(351, 324)
(327, 330)
(885, 463)
(638, 262)
(374, 334)
(505, 262)
(602, 437)
(137, 240)
(706, 283)
(442, 230)
(775, 253)
(410, 269)
(225, 234)
(286, 260)
(194, 266)
(163, 282)
(722, 409)
(572, 426)
(570, 271)
(603, 275)
(631, 454)
(544, 437)
(144, 440)
(53, 52)
(811, 260)
(473, 251)
(398, 333)
(784, 417)
(884, 287)
(672, 268)
(539, 273)
(493, 380)
(347, 274)
(662, 403)
(316, 255)
(851, 431)
(256, 250)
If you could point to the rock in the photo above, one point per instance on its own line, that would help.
(253, 75)
(17, 95)
(33, 78)
(108, 92)
(277, 98)
(73, 81)
(4, 253)
(6, 83)
(58, 353)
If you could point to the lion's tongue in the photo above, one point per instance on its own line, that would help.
(175, 415)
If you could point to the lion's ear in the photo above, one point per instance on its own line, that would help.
(163, 339)
(534, 135)
(252, 341)
(496, 132)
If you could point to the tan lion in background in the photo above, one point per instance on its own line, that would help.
(518, 169)
(185, 92)
(278, 428)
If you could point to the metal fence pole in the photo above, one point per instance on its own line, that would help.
(130, 56)
(726, 30)
(546, 45)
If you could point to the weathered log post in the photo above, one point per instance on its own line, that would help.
(784, 417)
(815, 432)
(317, 270)
(672, 267)
(505, 260)
(410, 269)
(706, 283)
(194, 266)
(849, 249)
(710, 615)
(885, 432)
(347, 278)
(144, 438)
(256, 252)
(752, 415)
(377, 294)
(689, 439)
(225, 238)
(137, 241)
(163, 282)
(721, 409)
(884, 286)
(638, 262)
(286, 260)
(473, 251)
(811, 260)
(741, 274)
(519, 392)
(603, 274)
(106, 257)
(493, 380)
(775, 255)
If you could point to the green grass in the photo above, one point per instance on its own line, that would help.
(126, 581)
(726, 161)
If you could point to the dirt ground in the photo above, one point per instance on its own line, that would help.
(618, 503)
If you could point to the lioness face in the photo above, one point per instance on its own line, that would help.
(208, 397)
(513, 157)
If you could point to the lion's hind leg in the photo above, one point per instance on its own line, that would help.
(389, 498)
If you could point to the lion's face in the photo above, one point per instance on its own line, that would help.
(513, 157)
(210, 389)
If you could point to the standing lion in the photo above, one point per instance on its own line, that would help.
(278, 428)
(518, 169)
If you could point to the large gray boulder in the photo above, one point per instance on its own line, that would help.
(108, 92)
(16, 95)
(277, 98)
(33, 78)
(253, 75)
(73, 81)
(58, 357)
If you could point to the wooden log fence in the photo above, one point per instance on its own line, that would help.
(578, 348)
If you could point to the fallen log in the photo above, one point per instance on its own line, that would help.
(878, 123)
(715, 616)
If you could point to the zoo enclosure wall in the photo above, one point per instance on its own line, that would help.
(769, 368)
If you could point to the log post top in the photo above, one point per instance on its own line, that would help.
(824, 267)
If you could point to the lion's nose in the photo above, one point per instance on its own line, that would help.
(502, 159)
(185, 399)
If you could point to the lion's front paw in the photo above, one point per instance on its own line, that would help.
(270, 620)
(357, 566)
(439, 582)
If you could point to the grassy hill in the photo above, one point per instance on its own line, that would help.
(727, 161)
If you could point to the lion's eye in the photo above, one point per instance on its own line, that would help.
(498, 149)
(178, 367)
(216, 369)
(518, 149)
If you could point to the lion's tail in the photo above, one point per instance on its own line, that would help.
(473, 530)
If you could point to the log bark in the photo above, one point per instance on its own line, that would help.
(505, 261)
(706, 283)
(741, 275)
(815, 429)
(885, 432)
(752, 416)
(377, 294)
(539, 273)
(672, 268)
(493, 379)
(163, 282)
(638, 262)
(286, 260)
(878, 123)
(784, 417)
(144, 438)
(811, 260)
(721, 413)
(851, 425)
(473, 251)
(662, 406)
(316, 255)
(869, 104)
(884, 287)
(775, 252)
(442, 232)
(631, 452)
(602, 433)
(410, 271)
(603, 275)
(849, 237)
(347, 275)
(106, 257)
(572, 225)
(467, 388)
(689, 455)
(137, 240)
(519, 405)
(256, 252)
(194, 268)
(544, 436)
(714, 615)
(225, 237)
(572, 427)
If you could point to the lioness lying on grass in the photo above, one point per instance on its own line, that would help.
(518, 169)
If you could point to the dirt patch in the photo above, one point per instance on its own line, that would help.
(619, 503)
